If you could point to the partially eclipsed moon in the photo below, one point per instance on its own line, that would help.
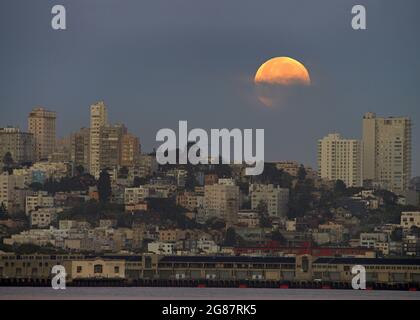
(282, 71)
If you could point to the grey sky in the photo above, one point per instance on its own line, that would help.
(159, 61)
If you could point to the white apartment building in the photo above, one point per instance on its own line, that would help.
(40, 200)
(43, 218)
(340, 159)
(222, 200)
(135, 195)
(274, 197)
(164, 248)
(370, 240)
(387, 151)
(41, 124)
(98, 119)
(56, 170)
(410, 219)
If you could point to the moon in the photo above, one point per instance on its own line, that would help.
(282, 71)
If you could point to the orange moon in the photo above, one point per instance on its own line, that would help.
(282, 71)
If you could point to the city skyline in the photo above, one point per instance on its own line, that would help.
(183, 149)
(99, 112)
(205, 75)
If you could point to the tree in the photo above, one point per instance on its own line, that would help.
(301, 173)
(263, 215)
(139, 182)
(390, 198)
(8, 162)
(397, 234)
(415, 231)
(3, 210)
(340, 187)
(104, 187)
(301, 198)
(80, 170)
(272, 175)
(36, 186)
(7, 159)
(190, 181)
(215, 224)
(278, 237)
(230, 240)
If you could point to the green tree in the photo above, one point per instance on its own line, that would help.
(263, 215)
(80, 170)
(340, 187)
(301, 175)
(36, 186)
(104, 187)
(301, 198)
(415, 231)
(230, 239)
(190, 181)
(8, 162)
(139, 182)
(8, 159)
(3, 210)
(272, 175)
(278, 237)
(397, 234)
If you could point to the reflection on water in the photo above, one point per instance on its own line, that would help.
(200, 293)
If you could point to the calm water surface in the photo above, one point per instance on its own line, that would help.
(9, 293)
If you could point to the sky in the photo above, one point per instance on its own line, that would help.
(157, 62)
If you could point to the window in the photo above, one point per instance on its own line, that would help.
(98, 268)
(79, 269)
(116, 269)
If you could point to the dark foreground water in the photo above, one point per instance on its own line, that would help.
(13, 293)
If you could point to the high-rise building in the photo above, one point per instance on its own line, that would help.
(110, 137)
(41, 123)
(9, 190)
(275, 198)
(130, 150)
(19, 144)
(98, 119)
(80, 148)
(222, 200)
(387, 151)
(340, 159)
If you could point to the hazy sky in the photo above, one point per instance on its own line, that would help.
(157, 62)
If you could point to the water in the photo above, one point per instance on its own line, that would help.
(14, 293)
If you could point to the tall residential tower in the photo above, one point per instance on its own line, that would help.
(41, 123)
(98, 119)
(387, 151)
(340, 159)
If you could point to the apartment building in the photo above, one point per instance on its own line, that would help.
(98, 119)
(110, 151)
(130, 150)
(40, 200)
(10, 186)
(410, 219)
(275, 198)
(19, 144)
(41, 123)
(222, 200)
(340, 159)
(387, 151)
(80, 148)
